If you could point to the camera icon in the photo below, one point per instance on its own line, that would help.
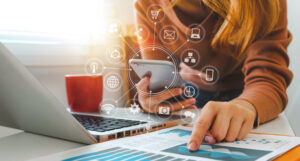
(162, 110)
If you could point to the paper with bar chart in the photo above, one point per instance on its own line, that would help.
(170, 145)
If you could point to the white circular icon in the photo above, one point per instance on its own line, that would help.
(133, 109)
(94, 66)
(164, 110)
(189, 116)
(112, 81)
(114, 54)
(195, 33)
(114, 28)
(141, 32)
(155, 13)
(211, 74)
(107, 108)
(168, 34)
(190, 57)
(189, 91)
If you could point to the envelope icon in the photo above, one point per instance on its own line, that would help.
(169, 34)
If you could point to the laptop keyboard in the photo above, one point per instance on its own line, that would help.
(103, 124)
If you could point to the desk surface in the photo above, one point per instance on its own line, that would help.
(18, 145)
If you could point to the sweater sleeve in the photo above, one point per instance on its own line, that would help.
(266, 71)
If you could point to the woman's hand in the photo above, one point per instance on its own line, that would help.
(152, 103)
(228, 121)
(191, 75)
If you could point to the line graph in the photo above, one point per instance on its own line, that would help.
(224, 153)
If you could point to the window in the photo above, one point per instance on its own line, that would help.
(51, 28)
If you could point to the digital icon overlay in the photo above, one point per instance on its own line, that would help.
(114, 54)
(112, 81)
(155, 13)
(164, 110)
(189, 116)
(134, 109)
(211, 74)
(108, 108)
(189, 91)
(168, 34)
(190, 57)
(114, 28)
(141, 32)
(94, 66)
(195, 33)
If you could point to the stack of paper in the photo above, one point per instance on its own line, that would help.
(170, 145)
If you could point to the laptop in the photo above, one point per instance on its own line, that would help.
(27, 105)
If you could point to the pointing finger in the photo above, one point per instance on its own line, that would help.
(202, 126)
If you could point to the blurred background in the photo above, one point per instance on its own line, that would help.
(57, 37)
(53, 38)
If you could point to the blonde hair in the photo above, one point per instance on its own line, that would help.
(241, 22)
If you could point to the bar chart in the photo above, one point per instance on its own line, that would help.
(123, 154)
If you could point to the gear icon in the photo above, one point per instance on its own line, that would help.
(134, 109)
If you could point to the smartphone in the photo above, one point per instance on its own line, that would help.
(163, 75)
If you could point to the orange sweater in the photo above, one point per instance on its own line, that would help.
(263, 74)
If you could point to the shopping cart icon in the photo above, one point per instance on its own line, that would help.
(154, 14)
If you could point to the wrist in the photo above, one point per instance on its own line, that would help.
(245, 103)
(249, 106)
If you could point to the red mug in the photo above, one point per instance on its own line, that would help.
(84, 92)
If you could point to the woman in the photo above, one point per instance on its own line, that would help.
(245, 41)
